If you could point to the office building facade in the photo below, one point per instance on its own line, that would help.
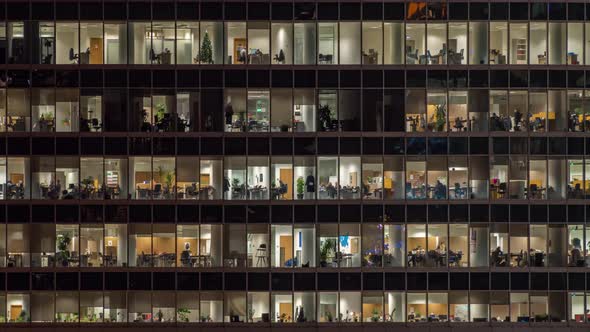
(294, 164)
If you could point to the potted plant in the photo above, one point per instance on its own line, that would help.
(328, 246)
(300, 187)
(160, 116)
(325, 117)
(182, 314)
(63, 242)
(376, 315)
(160, 316)
(251, 313)
(441, 118)
(329, 316)
(206, 55)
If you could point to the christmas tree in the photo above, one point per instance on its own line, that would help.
(206, 51)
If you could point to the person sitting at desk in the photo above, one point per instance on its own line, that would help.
(185, 256)
(577, 259)
(498, 257)
(440, 190)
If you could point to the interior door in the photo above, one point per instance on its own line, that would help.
(15, 311)
(96, 51)
(286, 175)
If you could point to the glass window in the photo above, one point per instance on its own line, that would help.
(303, 246)
(436, 111)
(211, 305)
(187, 177)
(281, 110)
(187, 42)
(556, 180)
(164, 249)
(519, 245)
(257, 245)
(394, 245)
(457, 46)
(140, 245)
(478, 105)
(537, 114)
(282, 42)
(17, 43)
(576, 307)
(258, 107)
(45, 48)
(415, 179)
(187, 245)
(164, 178)
(282, 180)
(234, 245)
(393, 43)
(575, 116)
(416, 307)
(43, 178)
(211, 183)
(372, 245)
(281, 306)
(458, 178)
(328, 307)
(437, 47)
(537, 178)
(90, 111)
(305, 44)
(478, 245)
(372, 43)
(237, 43)
(500, 255)
(163, 109)
(115, 307)
(258, 307)
(350, 307)
(519, 45)
(457, 255)
(140, 171)
(416, 245)
(557, 43)
(187, 307)
(91, 43)
(395, 307)
(67, 45)
(211, 51)
(66, 307)
(372, 178)
(519, 307)
(538, 245)
(437, 177)
(66, 110)
(328, 110)
(67, 174)
(350, 183)
(163, 307)
(91, 245)
(478, 43)
(328, 43)
(210, 246)
(163, 43)
(258, 43)
(234, 186)
(458, 118)
(557, 110)
(91, 307)
(43, 110)
(116, 178)
(18, 245)
(416, 44)
(140, 307)
(234, 307)
(140, 46)
(575, 43)
(43, 247)
(416, 110)
(393, 177)
(328, 178)
(282, 244)
(304, 111)
(43, 307)
(349, 253)
(17, 178)
(349, 107)
(187, 109)
(115, 45)
(538, 45)
(235, 110)
(304, 304)
(304, 170)
(328, 245)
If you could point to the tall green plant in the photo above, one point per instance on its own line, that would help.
(206, 55)
(300, 185)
